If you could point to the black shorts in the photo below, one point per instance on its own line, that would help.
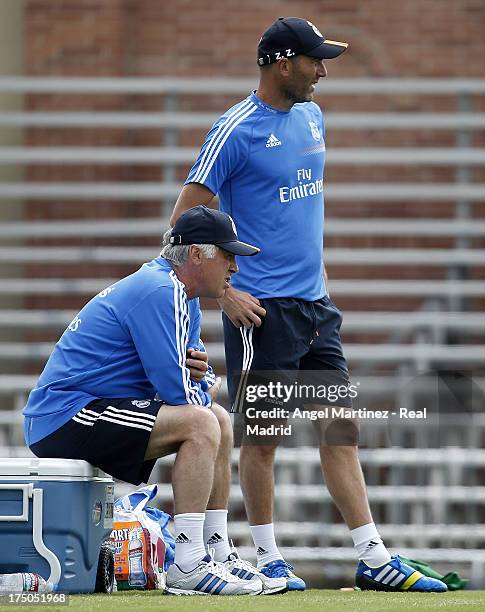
(298, 340)
(111, 434)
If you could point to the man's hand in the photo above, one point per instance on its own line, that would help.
(242, 308)
(214, 390)
(197, 362)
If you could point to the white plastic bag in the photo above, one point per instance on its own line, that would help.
(138, 542)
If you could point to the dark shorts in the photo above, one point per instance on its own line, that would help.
(297, 340)
(111, 434)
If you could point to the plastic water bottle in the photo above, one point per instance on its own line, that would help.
(24, 581)
(136, 576)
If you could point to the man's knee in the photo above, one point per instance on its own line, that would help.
(178, 424)
(203, 423)
(340, 432)
(225, 424)
(261, 453)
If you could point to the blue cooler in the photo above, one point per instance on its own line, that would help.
(55, 515)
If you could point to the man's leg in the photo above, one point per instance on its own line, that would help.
(249, 354)
(257, 483)
(219, 496)
(325, 364)
(377, 570)
(195, 432)
(256, 474)
(345, 482)
(215, 524)
(342, 471)
(245, 348)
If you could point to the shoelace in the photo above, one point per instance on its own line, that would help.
(218, 569)
(280, 570)
(401, 563)
(398, 559)
(222, 572)
(242, 563)
(245, 565)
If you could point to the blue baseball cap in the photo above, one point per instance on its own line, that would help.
(203, 225)
(290, 36)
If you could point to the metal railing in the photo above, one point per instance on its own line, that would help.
(427, 329)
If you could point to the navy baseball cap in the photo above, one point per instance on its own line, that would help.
(289, 36)
(203, 225)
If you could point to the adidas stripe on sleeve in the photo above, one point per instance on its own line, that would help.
(159, 326)
(195, 342)
(225, 149)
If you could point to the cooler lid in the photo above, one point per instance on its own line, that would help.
(32, 466)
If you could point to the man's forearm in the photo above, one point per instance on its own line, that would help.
(191, 195)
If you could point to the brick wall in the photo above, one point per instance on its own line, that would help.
(218, 37)
(412, 38)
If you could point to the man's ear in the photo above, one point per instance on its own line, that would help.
(195, 254)
(283, 66)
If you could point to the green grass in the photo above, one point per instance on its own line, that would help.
(318, 600)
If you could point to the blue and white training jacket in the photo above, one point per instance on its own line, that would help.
(130, 341)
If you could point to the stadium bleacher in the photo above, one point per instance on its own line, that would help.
(406, 260)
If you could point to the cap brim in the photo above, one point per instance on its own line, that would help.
(328, 49)
(236, 247)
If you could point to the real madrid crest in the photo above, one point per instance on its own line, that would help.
(141, 403)
(315, 130)
(315, 29)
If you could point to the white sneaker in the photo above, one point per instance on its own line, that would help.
(245, 570)
(209, 578)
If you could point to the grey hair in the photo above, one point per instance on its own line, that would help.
(177, 254)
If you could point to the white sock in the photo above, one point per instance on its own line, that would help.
(265, 544)
(189, 539)
(369, 546)
(215, 533)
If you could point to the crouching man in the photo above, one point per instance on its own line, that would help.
(129, 382)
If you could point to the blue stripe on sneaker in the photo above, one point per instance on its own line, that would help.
(203, 582)
(212, 584)
(219, 588)
(242, 574)
(235, 571)
(249, 576)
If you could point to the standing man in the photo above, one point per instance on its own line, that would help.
(128, 382)
(265, 158)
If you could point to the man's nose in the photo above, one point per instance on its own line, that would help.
(233, 268)
(321, 70)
